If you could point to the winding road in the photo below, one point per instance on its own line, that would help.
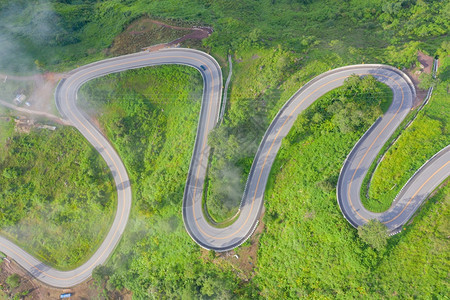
(354, 169)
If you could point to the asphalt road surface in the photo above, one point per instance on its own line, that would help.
(223, 239)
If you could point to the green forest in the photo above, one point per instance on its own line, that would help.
(307, 249)
(60, 34)
(57, 199)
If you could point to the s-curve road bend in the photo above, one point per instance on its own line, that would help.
(352, 174)
(222, 239)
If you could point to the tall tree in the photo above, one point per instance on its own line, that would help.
(374, 233)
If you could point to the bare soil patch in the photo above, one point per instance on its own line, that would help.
(425, 66)
(141, 34)
(40, 97)
(426, 61)
(153, 35)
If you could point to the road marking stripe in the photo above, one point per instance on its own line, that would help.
(418, 190)
(370, 147)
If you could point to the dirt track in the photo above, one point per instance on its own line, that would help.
(196, 33)
(427, 63)
(41, 96)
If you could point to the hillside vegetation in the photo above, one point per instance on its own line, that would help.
(308, 249)
(57, 197)
(55, 34)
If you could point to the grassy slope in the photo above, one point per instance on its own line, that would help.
(417, 264)
(428, 134)
(57, 199)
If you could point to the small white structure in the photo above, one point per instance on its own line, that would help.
(19, 99)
